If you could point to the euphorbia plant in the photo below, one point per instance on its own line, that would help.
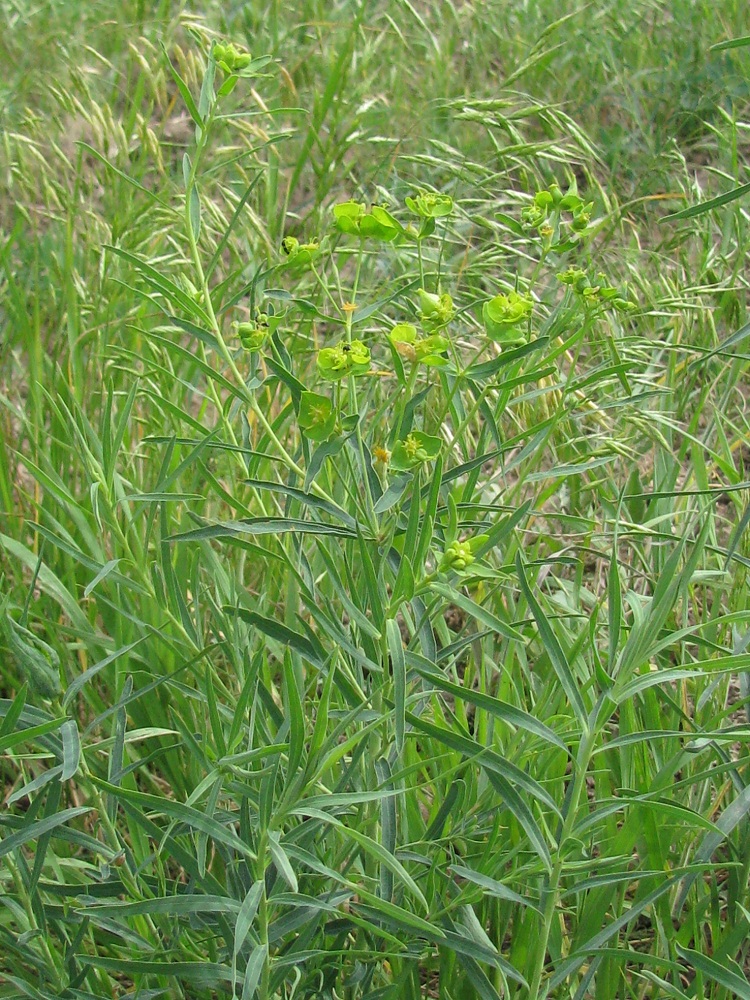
(377, 403)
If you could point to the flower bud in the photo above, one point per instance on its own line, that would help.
(252, 336)
(458, 556)
(436, 310)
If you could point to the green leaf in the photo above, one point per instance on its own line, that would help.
(196, 331)
(13, 715)
(192, 818)
(35, 830)
(160, 283)
(123, 176)
(499, 709)
(308, 499)
(260, 526)
(492, 886)
(184, 90)
(487, 369)
(293, 704)
(466, 604)
(254, 970)
(203, 974)
(554, 650)
(178, 905)
(392, 495)
(246, 915)
(75, 686)
(736, 338)
(717, 972)
(71, 745)
(707, 206)
(281, 860)
(398, 666)
(726, 822)
(500, 773)
(277, 630)
(29, 734)
(731, 43)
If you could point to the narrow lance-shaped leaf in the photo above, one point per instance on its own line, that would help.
(553, 648)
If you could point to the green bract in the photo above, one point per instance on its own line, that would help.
(415, 449)
(344, 359)
(572, 276)
(317, 417)
(503, 314)
(353, 218)
(543, 199)
(299, 254)
(427, 205)
(424, 350)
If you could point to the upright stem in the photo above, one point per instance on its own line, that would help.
(552, 889)
(369, 504)
(260, 875)
(224, 351)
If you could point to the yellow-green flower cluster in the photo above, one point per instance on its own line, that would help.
(504, 314)
(252, 336)
(230, 57)
(344, 359)
(428, 205)
(415, 449)
(436, 310)
(458, 556)
(419, 350)
(597, 289)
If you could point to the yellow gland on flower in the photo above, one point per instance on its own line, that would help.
(411, 446)
(344, 359)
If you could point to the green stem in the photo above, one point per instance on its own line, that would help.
(264, 987)
(552, 889)
(406, 394)
(52, 960)
(369, 503)
(224, 351)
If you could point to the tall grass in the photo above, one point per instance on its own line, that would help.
(291, 708)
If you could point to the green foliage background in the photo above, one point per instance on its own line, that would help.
(254, 739)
